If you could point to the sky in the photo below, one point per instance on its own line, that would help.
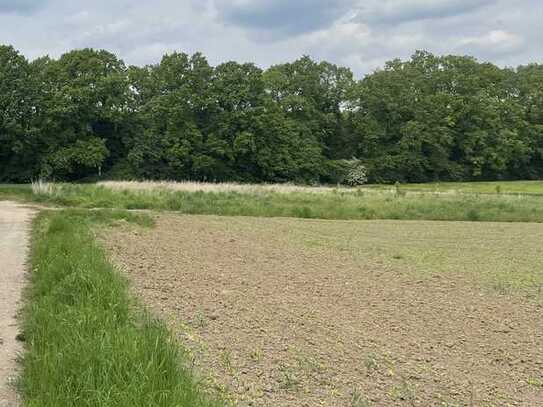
(359, 34)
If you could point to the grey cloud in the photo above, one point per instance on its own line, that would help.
(20, 6)
(282, 17)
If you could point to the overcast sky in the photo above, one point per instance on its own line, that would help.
(360, 34)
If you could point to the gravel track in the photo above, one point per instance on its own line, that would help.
(14, 241)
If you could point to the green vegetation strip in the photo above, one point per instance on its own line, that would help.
(363, 204)
(87, 342)
(490, 187)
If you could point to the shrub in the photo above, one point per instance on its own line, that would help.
(357, 174)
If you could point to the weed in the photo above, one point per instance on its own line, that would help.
(199, 320)
(537, 382)
(502, 287)
(225, 359)
(256, 355)
(358, 400)
(398, 191)
(473, 215)
(404, 391)
(371, 362)
(287, 378)
(42, 187)
(303, 212)
(308, 364)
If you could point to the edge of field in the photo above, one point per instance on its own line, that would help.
(88, 342)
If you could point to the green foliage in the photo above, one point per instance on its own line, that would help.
(447, 118)
(87, 345)
(429, 118)
(18, 136)
(89, 153)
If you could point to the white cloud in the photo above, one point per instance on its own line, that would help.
(495, 38)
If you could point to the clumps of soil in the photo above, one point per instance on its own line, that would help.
(270, 323)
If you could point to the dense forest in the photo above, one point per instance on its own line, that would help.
(88, 115)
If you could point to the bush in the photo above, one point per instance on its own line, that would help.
(357, 174)
(350, 172)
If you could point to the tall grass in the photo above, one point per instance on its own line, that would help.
(370, 203)
(362, 204)
(41, 187)
(490, 187)
(87, 343)
(194, 186)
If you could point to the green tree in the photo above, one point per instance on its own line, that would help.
(428, 118)
(438, 118)
(18, 136)
(84, 103)
(175, 102)
(313, 94)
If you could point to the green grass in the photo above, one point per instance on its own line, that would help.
(363, 204)
(87, 342)
(21, 192)
(491, 187)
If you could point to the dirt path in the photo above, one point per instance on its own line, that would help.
(14, 239)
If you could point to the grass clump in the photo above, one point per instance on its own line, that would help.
(87, 343)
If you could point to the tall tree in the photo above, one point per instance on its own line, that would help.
(84, 104)
(17, 133)
(313, 94)
(176, 102)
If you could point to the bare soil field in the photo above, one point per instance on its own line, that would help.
(286, 312)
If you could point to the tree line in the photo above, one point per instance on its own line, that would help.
(87, 114)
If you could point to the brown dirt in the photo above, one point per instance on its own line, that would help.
(14, 235)
(279, 324)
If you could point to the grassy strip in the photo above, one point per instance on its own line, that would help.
(487, 187)
(87, 342)
(364, 204)
(20, 192)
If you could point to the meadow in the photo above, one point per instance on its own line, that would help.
(371, 202)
